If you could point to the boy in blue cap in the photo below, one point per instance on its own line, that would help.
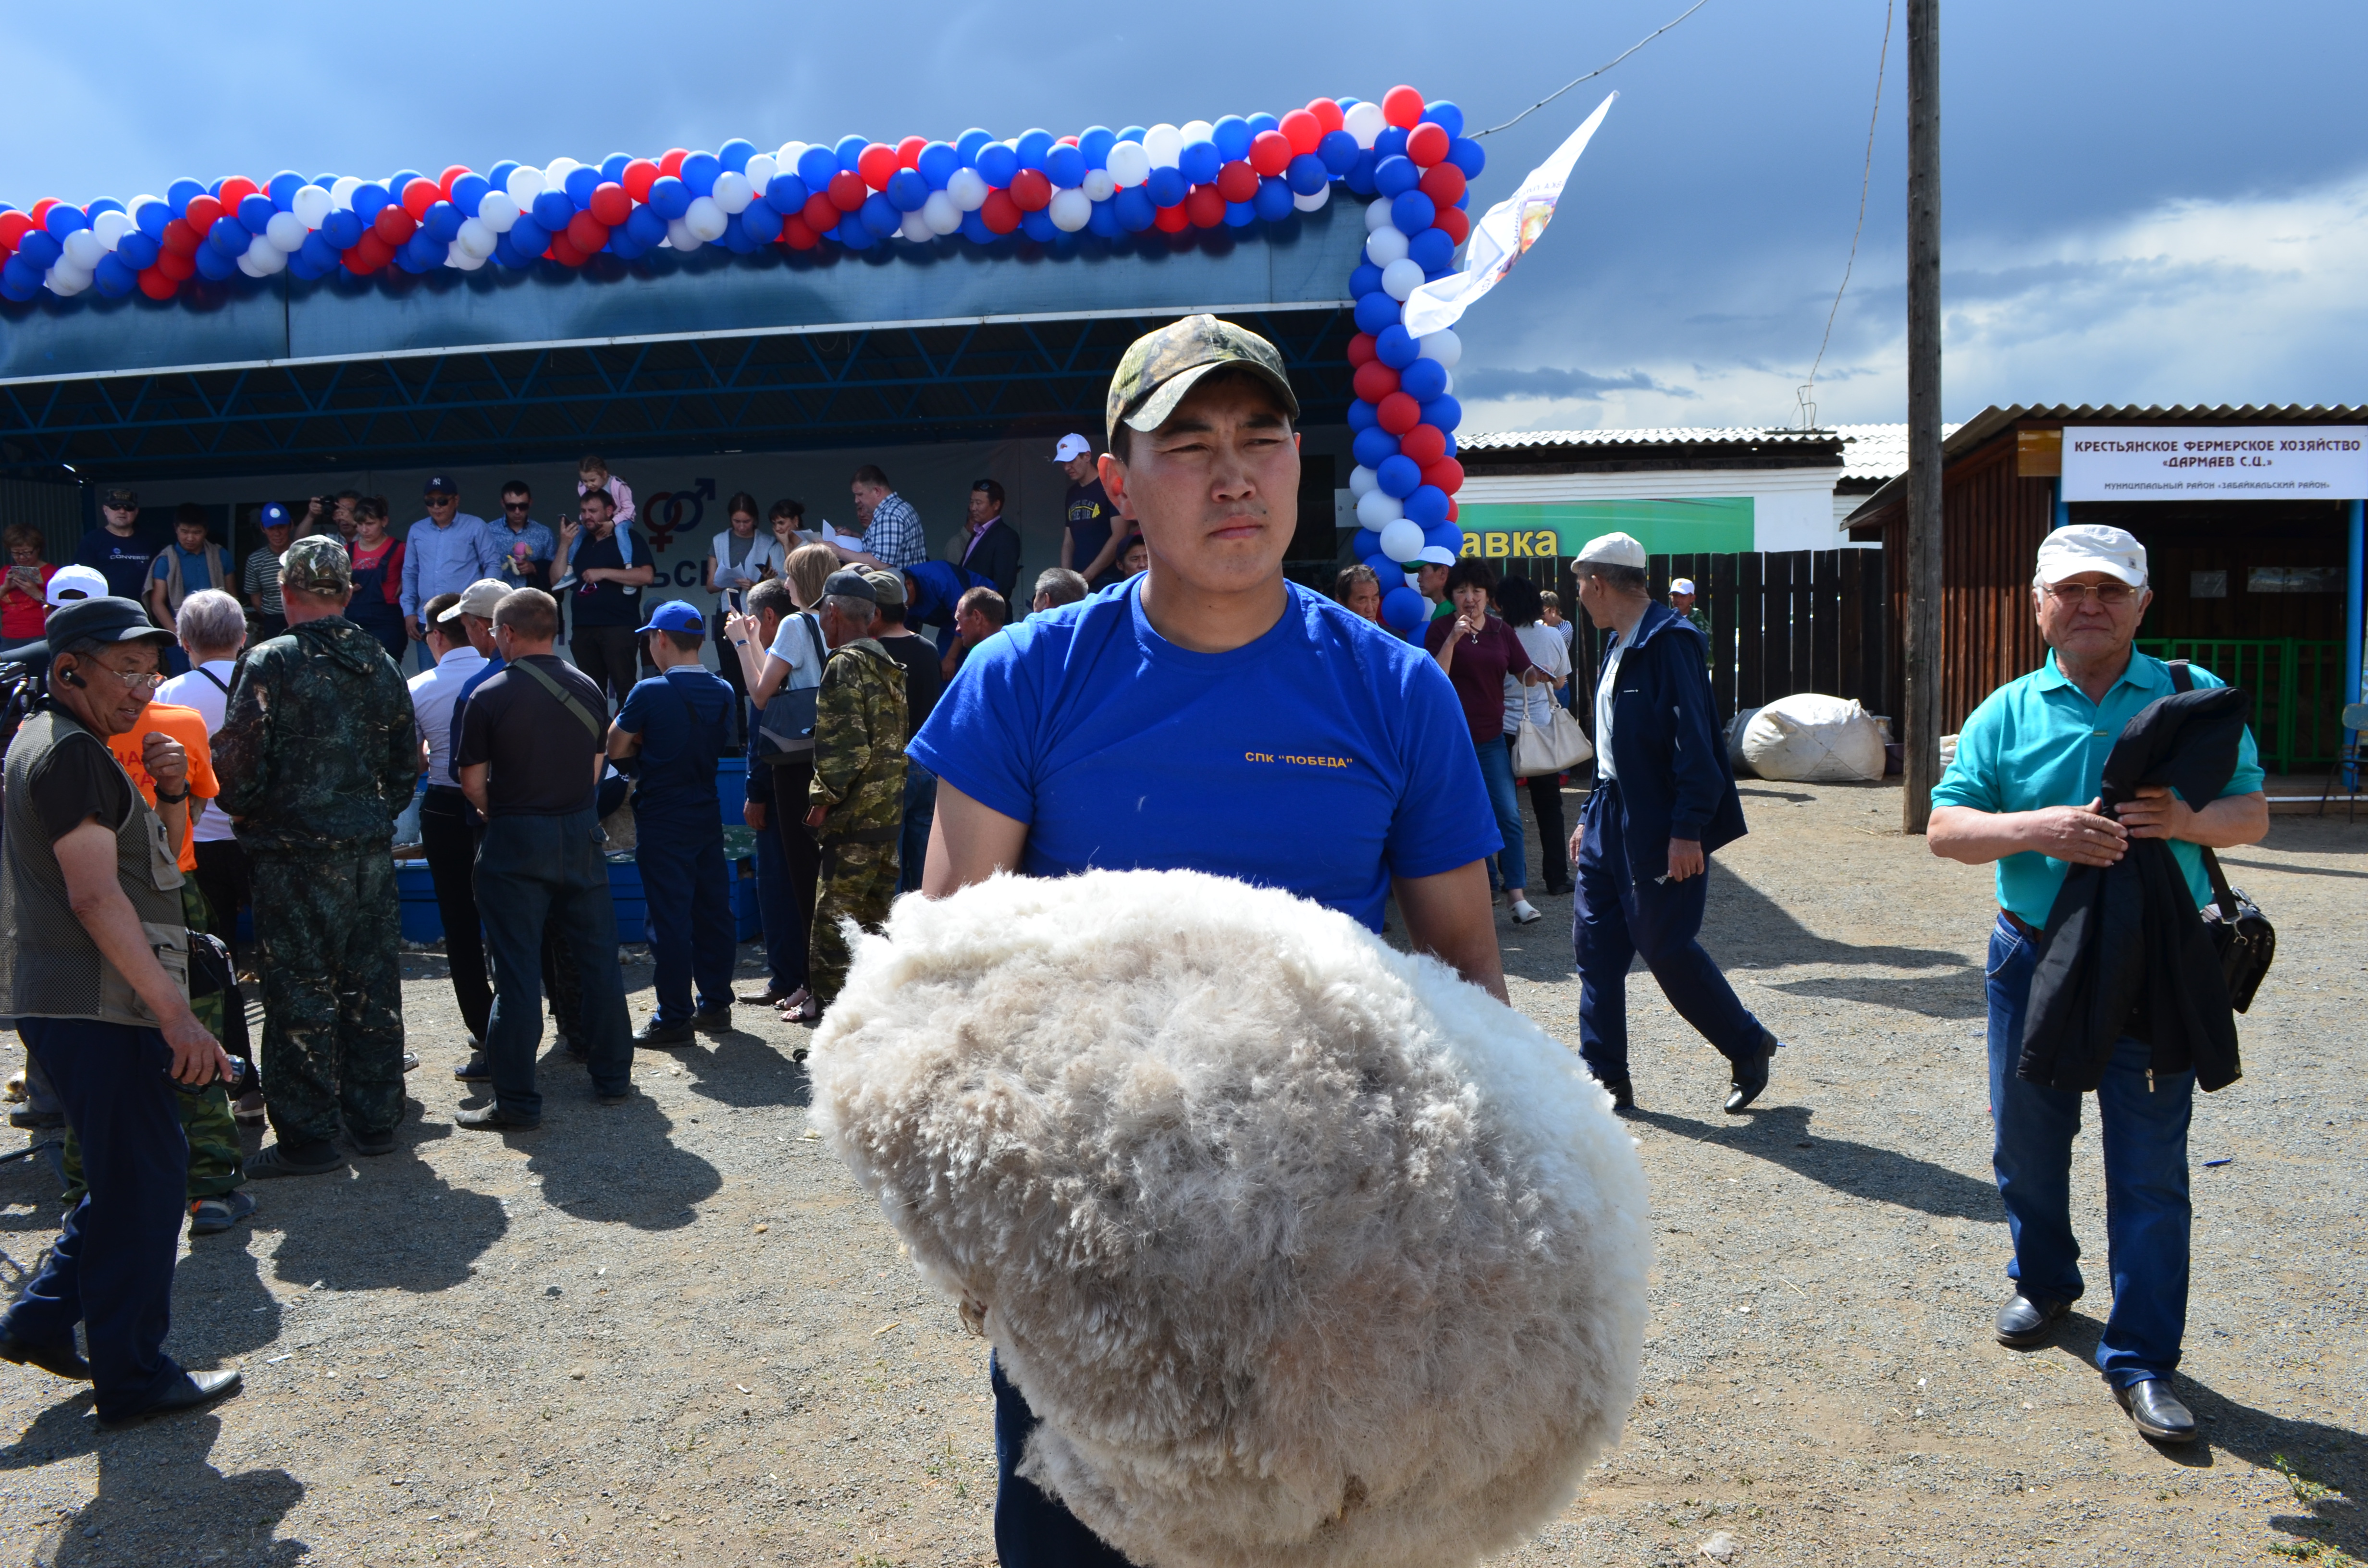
(679, 723)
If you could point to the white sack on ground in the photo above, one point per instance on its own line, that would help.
(1807, 738)
(1306, 1251)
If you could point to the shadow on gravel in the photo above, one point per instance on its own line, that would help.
(620, 1167)
(1776, 1134)
(423, 1233)
(158, 1500)
(1749, 922)
(1793, 796)
(222, 1308)
(2295, 870)
(746, 1071)
(1956, 996)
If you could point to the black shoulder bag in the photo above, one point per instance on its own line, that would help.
(786, 724)
(2246, 940)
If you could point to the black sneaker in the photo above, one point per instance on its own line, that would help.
(655, 1036)
(712, 1020)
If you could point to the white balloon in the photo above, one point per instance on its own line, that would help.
(1377, 510)
(1130, 164)
(1377, 215)
(1442, 346)
(967, 190)
(1364, 122)
(341, 191)
(1098, 185)
(1070, 210)
(475, 238)
(555, 173)
(266, 256)
(311, 206)
(762, 170)
(1414, 579)
(286, 232)
(707, 220)
(1362, 481)
(524, 185)
(111, 227)
(462, 260)
(733, 192)
(247, 265)
(1197, 130)
(1401, 540)
(1401, 277)
(65, 279)
(915, 227)
(497, 211)
(83, 249)
(940, 213)
(787, 158)
(1385, 245)
(1162, 142)
(680, 234)
(1313, 199)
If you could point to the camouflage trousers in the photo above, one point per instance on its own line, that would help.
(858, 882)
(328, 945)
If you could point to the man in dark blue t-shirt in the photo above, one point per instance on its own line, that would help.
(120, 549)
(1208, 715)
(679, 723)
(601, 570)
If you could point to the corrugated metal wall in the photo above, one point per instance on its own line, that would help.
(55, 509)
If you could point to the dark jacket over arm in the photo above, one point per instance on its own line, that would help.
(1674, 776)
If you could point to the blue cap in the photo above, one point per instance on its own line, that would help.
(675, 615)
(440, 485)
(275, 515)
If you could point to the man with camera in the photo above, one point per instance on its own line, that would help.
(94, 964)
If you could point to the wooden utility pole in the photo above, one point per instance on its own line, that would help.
(1922, 732)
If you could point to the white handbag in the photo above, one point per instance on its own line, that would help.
(1558, 747)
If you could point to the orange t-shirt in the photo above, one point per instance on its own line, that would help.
(188, 726)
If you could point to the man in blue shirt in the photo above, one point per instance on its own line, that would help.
(526, 546)
(679, 723)
(1208, 715)
(2023, 792)
(445, 551)
(119, 548)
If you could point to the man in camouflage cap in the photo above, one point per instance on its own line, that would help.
(317, 755)
(858, 794)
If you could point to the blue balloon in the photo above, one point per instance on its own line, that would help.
(815, 165)
(854, 233)
(1199, 162)
(215, 190)
(229, 236)
(1426, 504)
(1396, 347)
(1403, 609)
(553, 210)
(1399, 475)
(1444, 536)
(507, 253)
(369, 200)
(939, 163)
(138, 252)
(1411, 211)
(1362, 416)
(316, 249)
(1338, 150)
(442, 220)
(612, 169)
(1133, 133)
(469, 193)
(498, 176)
(1240, 215)
(42, 248)
(579, 185)
(997, 164)
(1033, 144)
(1424, 381)
(114, 275)
(1262, 122)
(180, 193)
(1450, 442)
(342, 229)
(529, 236)
(151, 216)
(64, 219)
(736, 237)
(1363, 280)
(304, 268)
(20, 278)
(1381, 566)
(1391, 142)
(1307, 174)
(906, 190)
(879, 215)
(624, 246)
(1039, 226)
(1066, 166)
(1167, 187)
(1443, 113)
(1396, 176)
(647, 227)
(214, 265)
(1375, 446)
(1134, 208)
(670, 197)
(104, 204)
(255, 212)
(1232, 134)
(1468, 156)
(733, 155)
(1443, 412)
(975, 228)
(1366, 545)
(848, 151)
(1095, 143)
(698, 172)
(1433, 250)
(967, 146)
(283, 186)
(786, 193)
(418, 254)
(1104, 220)
(1376, 311)
(1274, 204)
(1359, 178)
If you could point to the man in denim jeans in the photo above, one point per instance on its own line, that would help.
(2024, 793)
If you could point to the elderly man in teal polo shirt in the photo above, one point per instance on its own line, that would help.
(2024, 793)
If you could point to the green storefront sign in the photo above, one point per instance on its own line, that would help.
(1533, 529)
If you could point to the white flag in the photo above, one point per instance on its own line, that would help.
(1501, 237)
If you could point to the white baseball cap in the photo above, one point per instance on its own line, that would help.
(1071, 448)
(1682, 584)
(70, 582)
(2092, 547)
(1613, 549)
(1437, 555)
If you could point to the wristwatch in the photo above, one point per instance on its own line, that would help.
(165, 799)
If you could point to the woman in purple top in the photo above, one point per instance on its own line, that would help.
(1478, 651)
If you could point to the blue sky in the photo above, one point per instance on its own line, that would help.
(2164, 202)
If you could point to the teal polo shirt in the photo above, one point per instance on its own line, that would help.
(2039, 742)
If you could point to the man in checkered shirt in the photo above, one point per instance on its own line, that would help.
(892, 529)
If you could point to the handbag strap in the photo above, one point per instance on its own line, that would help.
(2183, 679)
(567, 699)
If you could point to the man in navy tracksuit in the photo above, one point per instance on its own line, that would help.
(1664, 800)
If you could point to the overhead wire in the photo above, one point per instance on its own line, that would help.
(1807, 395)
(1598, 71)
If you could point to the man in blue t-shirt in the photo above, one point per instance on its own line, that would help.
(1208, 715)
(679, 723)
(120, 549)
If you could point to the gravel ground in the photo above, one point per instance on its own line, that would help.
(675, 1330)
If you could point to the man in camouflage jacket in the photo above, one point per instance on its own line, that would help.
(857, 797)
(317, 755)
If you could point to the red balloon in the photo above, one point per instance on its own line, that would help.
(1375, 380)
(640, 175)
(877, 165)
(1427, 144)
(394, 224)
(1031, 190)
(671, 161)
(235, 189)
(157, 284)
(1399, 413)
(1401, 107)
(797, 233)
(848, 191)
(15, 226)
(41, 209)
(820, 214)
(1425, 444)
(611, 206)
(419, 196)
(1446, 474)
(586, 231)
(1363, 349)
(1171, 220)
(1205, 207)
(370, 253)
(1454, 510)
(1303, 131)
(909, 151)
(563, 250)
(1327, 114)
(1443, 183)
(1237, 182)
(1000, 212)
(202, 213)
(1456, 221)
(175, 265)
(444, 185)
(1270, 153)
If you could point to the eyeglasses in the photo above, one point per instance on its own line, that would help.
(442, 500)
(148, 682)
(517, 506)
(2071, 596)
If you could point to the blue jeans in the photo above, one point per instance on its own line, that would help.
(2147, 1214)
(687, 900)
(1618, 915)
(785, 934)
(112, 1268)
(920, 814)
(531, 870)
(1032, 1527)
(1512, 862)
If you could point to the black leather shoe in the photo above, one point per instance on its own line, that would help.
(655, 1036)
(712, 1020)
(1751, 1076)
(60, 1360)
(2155, 1411)
(2026, 1321)
(193, 1390)
(493, 1119)
(1623, 1095)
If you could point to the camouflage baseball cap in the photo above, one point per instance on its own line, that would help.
(1161, 367)
(317, 565)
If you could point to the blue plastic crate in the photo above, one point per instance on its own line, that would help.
(422, 922)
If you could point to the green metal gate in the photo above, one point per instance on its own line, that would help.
(2298, 686)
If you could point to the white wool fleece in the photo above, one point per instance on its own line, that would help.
(1306, 1251)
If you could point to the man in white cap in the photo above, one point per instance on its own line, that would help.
(1664, 800)
(68, 583)
(2025, 793)
(1431, 568)
(1090, 537)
